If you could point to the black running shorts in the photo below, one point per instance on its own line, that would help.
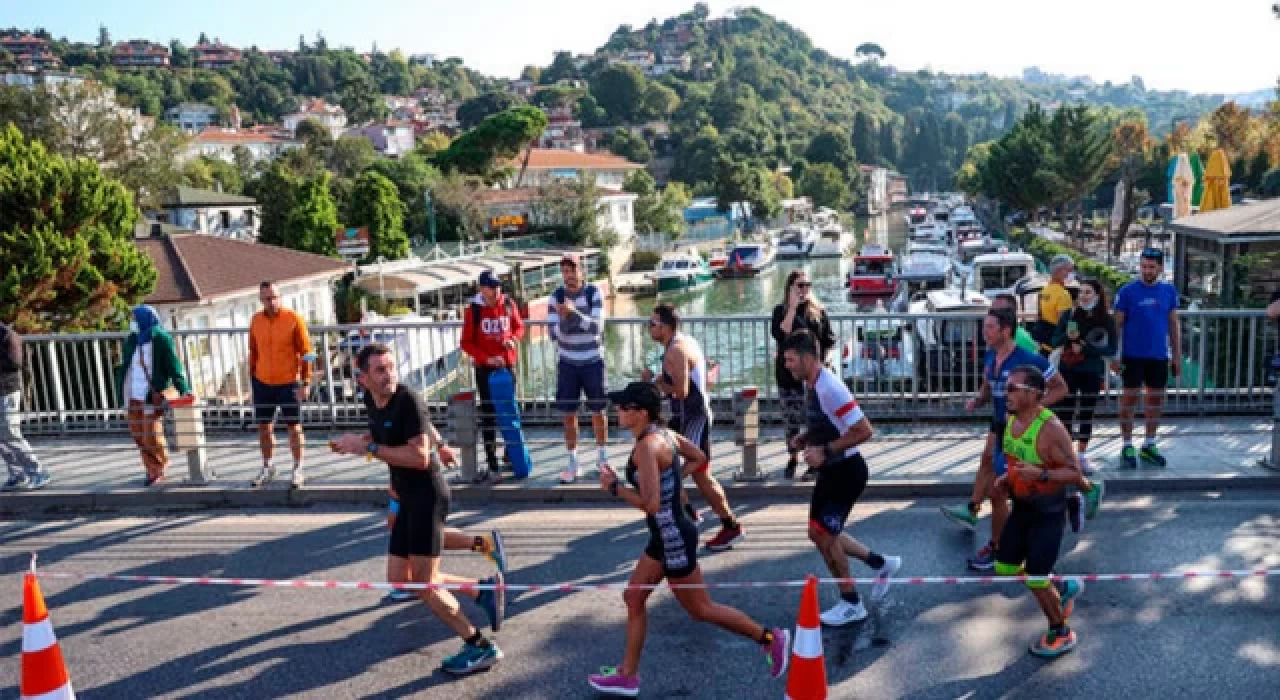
(424, 505)
(839, 486)
(1032, 538)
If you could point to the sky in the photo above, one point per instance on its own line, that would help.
(1210, 46)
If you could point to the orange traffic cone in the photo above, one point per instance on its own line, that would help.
(44, 673)
(808, 677)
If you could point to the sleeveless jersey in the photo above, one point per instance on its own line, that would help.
(1021, 449)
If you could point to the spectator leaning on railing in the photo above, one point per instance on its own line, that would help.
(575, 318)
(491, 328)
(280, 357)
(150, 374)
(25, 472)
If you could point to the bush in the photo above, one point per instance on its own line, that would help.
(643, 261)
(1044, 250)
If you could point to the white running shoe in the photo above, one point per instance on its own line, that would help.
(844, 613)
(570, 474)
(602, 456)
(886, 572)
(299, 479)
(264, 477)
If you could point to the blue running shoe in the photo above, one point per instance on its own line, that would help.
(471, 659)
(493, 601)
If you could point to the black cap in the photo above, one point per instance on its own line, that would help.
(488, 279)
(637, 395)
(1153, 254)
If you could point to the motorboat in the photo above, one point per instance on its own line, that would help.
(717, 259)
(747, 259)
(930, 233)
(874, 272)
(923, 272)
(681, 272)
(797, 241)
(833, 241)
(917, 215)
(994, 274)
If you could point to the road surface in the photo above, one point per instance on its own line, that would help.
(1194, 638)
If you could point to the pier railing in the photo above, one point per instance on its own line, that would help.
(921, 367)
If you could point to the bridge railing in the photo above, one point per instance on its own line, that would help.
(921, 367)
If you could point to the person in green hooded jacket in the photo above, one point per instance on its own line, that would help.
(151, 366)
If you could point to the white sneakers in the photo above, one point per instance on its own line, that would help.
(570, 474)
(886, 572)
(264, 477)
(299, 479)
(844, 613)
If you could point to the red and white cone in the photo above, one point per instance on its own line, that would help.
(808, 677)
(44, 673)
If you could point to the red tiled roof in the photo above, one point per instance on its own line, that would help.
(556, 159)
(197, 267)
(214, 134)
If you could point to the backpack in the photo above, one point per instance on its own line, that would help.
(477, 309)
(590, 290)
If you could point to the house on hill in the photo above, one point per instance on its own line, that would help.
(212, 213)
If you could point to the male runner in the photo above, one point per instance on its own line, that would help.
(1001, 357)
(1042, 463)
(835, 426)
(400, 435)
(398, 570)
(684, 380)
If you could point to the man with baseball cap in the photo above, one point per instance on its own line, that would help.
(490, 331)
(1146, 312)
(575, 317)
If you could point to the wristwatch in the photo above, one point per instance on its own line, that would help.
(372, 449)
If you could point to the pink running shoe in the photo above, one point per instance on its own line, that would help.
(610, 681)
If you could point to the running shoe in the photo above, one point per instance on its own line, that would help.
(1128, 458)
(789, 472)
(497, 553)
(984, 560)
(844, 613)
(1093, 498)
(264, 477)
(779, 652)
(471, 659)
(1070, 590)
(726, 538)
(610, 681)
(1052, 645)
(1151, 455)
(1075, 512)
(396, 595)
(961, 515)
(299, 479)
(886, 572)
(18, 482)
(493, 601)
(570, 474)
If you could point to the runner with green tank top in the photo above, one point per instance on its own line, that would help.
(1042, 465)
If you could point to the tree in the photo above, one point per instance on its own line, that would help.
(67, 258)
(1131, 145)
(832, 146)
(461, 216)
(620, 91)
(1231, 125)
(499, 137)
(634, 148)
(350, 155)
(570, 210)
(826, 185)
(656, 211)
(361, 99)
(786, 188)
(888, 148)
(476, 109)
(1018, 170)
(869, 50)
(562, 68)
(531, 73)
(104, 37)
(1082, 151)
(376, 204)
(659, 101)
(737, 181)
(315, 135)
(313, 220)
(864, 139)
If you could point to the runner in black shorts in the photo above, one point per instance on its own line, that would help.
(657, 465)
(401, 435)
(835, 426)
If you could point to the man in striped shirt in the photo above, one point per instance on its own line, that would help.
(576, 318)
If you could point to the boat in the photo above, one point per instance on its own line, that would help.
(796, 241)
(930, 233)
(833, 241)
(923, 272)
(916, 216)
(747, 259)
(681, 272)
(994, 274)
(874, 272)
(717, 259)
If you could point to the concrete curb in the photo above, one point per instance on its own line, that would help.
(184, 498)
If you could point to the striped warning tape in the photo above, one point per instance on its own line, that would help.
(622, 585)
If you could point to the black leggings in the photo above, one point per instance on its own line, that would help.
(1082, 397)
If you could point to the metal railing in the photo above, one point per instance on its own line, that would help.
(901, 367)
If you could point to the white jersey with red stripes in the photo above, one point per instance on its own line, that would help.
(831, 410)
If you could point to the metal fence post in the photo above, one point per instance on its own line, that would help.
(1274, 462)
(746, 418)
(59, 404)
(462, 420)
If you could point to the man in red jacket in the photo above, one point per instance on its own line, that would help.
(490, 331)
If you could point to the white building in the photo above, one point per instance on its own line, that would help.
(639, 58)
(671, 63)
(264, 144)
(514, 211)
(205, 282)
(391, 138)
(547, 165)
(209, 212)
(426, 60)
(192, 117)
(876, 197)
(332, 117)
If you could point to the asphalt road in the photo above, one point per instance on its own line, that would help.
(1185, 638)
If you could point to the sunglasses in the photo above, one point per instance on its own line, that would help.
(1020, 387)
(804, 285)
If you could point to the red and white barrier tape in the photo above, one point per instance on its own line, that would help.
(622, 585)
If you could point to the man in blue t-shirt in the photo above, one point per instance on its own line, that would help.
(1146, 312)
(1003, 356)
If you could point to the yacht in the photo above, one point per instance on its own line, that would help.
(748, 259)
(681, 272)
(833, 242)
(874, 272)
(797, 241)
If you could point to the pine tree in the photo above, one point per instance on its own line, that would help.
(313, 221)
(864, 139)
(376, 204)
(67, 257)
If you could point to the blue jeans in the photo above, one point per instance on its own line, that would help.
(14, 449)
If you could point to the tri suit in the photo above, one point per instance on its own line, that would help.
(830, 411)
(673, 538)
(691, 416)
